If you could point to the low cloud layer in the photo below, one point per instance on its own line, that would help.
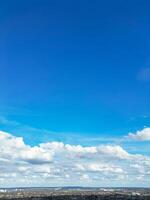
(59, 164)
(142, 135)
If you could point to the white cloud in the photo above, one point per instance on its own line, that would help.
(99, 167)
(142, 135)
(14, 148)
(56, 163)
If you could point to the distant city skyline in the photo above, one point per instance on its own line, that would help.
(74, 93)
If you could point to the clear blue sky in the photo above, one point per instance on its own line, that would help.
(76, 66)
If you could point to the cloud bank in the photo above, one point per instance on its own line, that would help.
(59, 164)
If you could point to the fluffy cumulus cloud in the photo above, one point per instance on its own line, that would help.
(143, 135)
(59, 164)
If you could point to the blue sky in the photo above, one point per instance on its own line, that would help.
(75, 72)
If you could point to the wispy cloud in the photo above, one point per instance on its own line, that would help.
(42, 135)
(5, 121)
(144, 74)
(36, 135)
